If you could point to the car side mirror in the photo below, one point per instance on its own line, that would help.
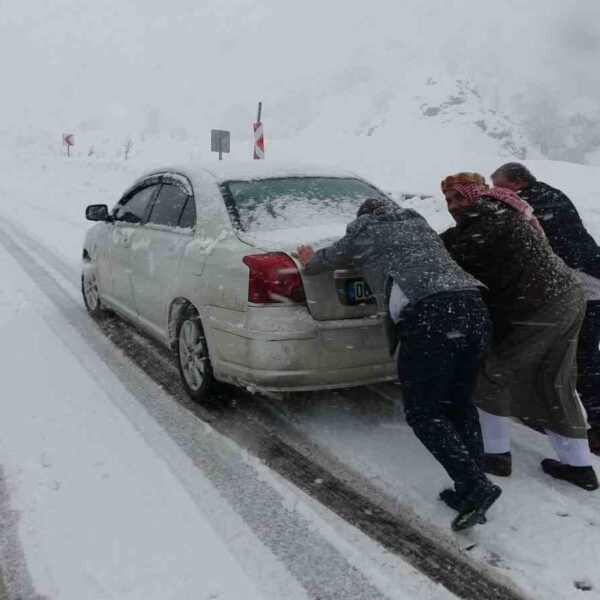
(97, 212)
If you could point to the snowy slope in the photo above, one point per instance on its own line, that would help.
(492, 78)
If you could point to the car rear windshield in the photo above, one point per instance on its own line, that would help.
(282, 203)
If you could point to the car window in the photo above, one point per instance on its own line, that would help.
(188, 215)
(133, 209)
(291, 202)
(168, 206)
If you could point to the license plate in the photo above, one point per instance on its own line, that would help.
(357, 291)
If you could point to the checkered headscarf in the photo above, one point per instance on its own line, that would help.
(472, 186)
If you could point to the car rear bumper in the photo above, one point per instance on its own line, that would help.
(285, 349)
(299, 381)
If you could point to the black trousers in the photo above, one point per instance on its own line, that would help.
(444, 339)
(588, 363)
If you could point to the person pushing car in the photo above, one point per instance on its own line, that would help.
(570, 240)
(537, 305)
(435, 310)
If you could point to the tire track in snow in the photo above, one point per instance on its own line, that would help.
(244, 419)
(315, 564)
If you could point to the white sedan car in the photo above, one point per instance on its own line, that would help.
(199, 257)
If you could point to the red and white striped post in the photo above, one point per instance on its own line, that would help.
(259, 137)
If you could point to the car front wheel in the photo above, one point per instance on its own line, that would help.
(89, 289)
(192, 356)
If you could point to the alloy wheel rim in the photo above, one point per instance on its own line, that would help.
(192, 354)
(90, 288)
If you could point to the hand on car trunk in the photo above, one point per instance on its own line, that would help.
(304, 254)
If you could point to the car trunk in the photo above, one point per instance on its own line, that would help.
(341, 294)
(332, 295)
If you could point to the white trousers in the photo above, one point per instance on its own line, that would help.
(496, 440)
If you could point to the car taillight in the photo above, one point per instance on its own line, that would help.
(274, 277)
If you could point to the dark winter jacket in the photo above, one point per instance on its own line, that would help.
(502, 250)
(564, 229)
(394, 244)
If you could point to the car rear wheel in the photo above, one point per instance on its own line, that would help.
(192, 356)
(89, 289)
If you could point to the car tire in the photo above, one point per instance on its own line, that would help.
(191, 351)
(89, 291)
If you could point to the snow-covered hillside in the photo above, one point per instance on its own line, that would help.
(504, 79)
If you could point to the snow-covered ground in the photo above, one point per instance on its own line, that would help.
(101, 501)
(542, 533)
(98, 499)
(99, 513)
(109, 488)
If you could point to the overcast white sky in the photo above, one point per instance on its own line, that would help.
(103, 61)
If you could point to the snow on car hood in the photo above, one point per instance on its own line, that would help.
(288, 239)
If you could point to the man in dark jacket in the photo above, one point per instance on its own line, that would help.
(570, 240)
(537, 305)
(444, 331)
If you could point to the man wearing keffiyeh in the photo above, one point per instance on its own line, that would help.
(569, 238)
(536, 305)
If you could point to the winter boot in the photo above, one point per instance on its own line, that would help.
(584, 477)
(498, 464)
(476, 504)
(452, 498)
(455, 501)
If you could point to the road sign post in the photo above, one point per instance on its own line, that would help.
(220, 141)
(68, 140)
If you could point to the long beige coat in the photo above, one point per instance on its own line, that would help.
(532, 373)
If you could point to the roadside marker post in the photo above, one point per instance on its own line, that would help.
(259, 136)
(68, 140)
(220, 141)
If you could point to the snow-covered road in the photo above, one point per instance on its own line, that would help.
(115, 486)
(119, 492)
(107, 503)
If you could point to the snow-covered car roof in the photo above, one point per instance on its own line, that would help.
(260, 169)
(206, 178)
(251, 170)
